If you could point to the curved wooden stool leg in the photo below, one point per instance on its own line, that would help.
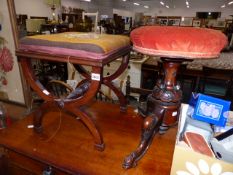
(162, 108)
(71, 105)
(119, 94)
(39, 113)
(82, 71)
(33, 81)
(108, 82)
(74, 106)
(40, 90)
(98, 139)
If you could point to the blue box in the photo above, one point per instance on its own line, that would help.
(208, 109)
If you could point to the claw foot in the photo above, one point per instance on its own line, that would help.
(130, 161)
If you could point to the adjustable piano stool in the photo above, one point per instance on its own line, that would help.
(89, 49)
(174, 45)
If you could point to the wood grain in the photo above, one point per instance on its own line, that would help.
(71, 148)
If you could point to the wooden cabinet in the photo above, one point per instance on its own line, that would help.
(22, 164)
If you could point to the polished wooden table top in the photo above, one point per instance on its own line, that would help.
(68, 145)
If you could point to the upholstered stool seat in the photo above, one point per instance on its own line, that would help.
(178, 42)
(174, 45)
(76, 44)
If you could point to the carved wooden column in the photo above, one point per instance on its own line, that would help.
(162, 109)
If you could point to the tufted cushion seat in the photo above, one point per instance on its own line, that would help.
(178, 42)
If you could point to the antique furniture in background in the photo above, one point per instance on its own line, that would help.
(72, 17)
(217, 82)
(54, 28)
(95, 15)
(130, 92)
(193, 75)
(186, 21)
(170, 43)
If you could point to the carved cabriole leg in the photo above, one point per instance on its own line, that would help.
(162, 109)
(108, 81)
(150, 126)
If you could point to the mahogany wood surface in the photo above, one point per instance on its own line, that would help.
(67, 145)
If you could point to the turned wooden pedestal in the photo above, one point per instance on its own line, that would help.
(162, 110)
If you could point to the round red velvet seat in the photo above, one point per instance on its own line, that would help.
(178, 42)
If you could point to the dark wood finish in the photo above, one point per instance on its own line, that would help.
(3, 162)
(71, 105)
(59, 88)
(162, 110)
(74, 105)
(66, 145)
(108, 81)
(39, 17)
(15, 110)
(153, 70)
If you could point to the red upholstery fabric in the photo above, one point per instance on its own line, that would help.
(178, 42)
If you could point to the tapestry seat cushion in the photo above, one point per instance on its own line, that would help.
(178, 42)
(88, 45)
